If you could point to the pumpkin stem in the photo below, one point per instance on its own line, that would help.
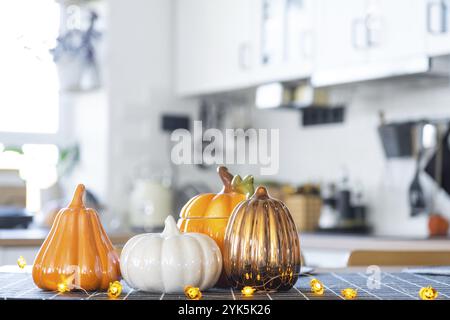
(170, 227)
(77, 200)
(261, 193)
(226, 178)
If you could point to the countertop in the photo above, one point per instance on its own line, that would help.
(35, 237)
(346, 242)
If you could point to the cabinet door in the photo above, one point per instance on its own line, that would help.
(340, 40)
(395, 29)
(368, 39)
(213, 45)
(437, 15)
(283, 40)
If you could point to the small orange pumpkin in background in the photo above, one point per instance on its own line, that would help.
(77, 252)
(437, 225)
(209, 213)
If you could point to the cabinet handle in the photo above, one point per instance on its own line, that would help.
(443, 8)
(359, 30)
(373, 26)
(306, 45)
(244, 56)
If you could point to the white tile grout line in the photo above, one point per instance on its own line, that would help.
(359, 288)
(232, 293)
(413, 283)
(129, 292)
(328, 288)
(11, 284)
(24, 292)
(427, 278)
(304, 295)
(270, 298)
(162, 296)
(386, 285)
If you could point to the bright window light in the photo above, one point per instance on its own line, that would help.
(28, 78)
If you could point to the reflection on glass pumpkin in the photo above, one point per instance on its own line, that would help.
(209, 213)
(77, 248)
(262, 247)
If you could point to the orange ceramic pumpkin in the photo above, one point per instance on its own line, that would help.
(209, 213)
(77, 252)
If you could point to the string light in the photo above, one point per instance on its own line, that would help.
(428, 293)
(317, 287)
(248, 291)
(115, 289)
(63, 287)
(21, 262)
(349, 293)
(192, 293)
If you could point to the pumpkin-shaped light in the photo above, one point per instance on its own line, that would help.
(76, 248)
(171, 260)
(428, 293)
(262, 247)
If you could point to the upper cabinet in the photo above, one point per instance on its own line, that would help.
(437, 13)
(231, 44)
(213, 45)
(223, 45)
(367, 39)
(284, 37)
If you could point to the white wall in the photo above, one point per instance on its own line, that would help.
(140, 89)
(320, 153)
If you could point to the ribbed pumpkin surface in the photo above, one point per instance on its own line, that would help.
(262, 247)
(77, 251)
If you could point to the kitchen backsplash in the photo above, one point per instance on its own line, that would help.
(325, 153)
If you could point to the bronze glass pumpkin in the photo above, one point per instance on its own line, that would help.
(262, 247)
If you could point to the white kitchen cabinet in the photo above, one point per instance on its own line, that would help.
(213, 45)
(231, 44)
(367, 39)
(284, 38)
(437, 15)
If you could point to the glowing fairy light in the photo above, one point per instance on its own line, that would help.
(115, 289)
(428, 293)
(21, 262)
(317, 287)
(248, 291)
(349, 293)
(192, 293)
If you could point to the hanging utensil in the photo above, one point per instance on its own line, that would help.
(416, 195)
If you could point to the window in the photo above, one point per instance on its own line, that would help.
(29, 93)
(29, 100)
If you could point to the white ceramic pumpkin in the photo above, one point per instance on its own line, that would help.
(171, 260)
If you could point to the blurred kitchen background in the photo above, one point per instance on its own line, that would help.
(359, 89)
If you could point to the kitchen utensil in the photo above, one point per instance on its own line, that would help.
(443, 179)
(14, 217)
(397, 139)
(416, 195)
(150, 203)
